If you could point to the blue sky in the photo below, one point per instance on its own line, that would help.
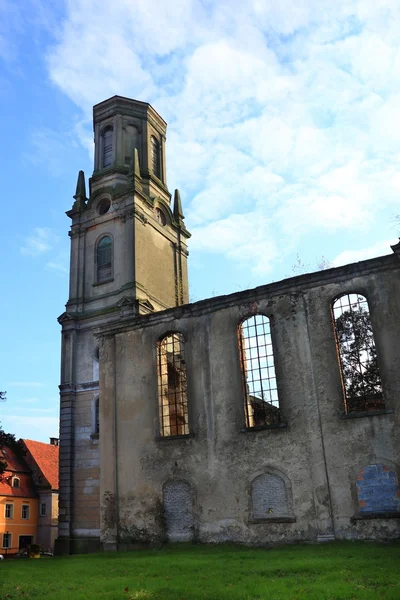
(283, 138)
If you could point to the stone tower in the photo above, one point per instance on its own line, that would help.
(128, 257)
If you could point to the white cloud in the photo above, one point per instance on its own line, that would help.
(282, 112)
(349, 256)
(40, 241)
(25, 384)
(245, 238)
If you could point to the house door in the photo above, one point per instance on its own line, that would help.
(25, 541)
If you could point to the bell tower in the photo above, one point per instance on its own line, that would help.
(128, 258)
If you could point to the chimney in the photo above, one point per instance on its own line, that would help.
(53, 441)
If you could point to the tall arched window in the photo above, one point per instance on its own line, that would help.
(107, 147)
(155, 157)
(261, 403)
(361, 381)
(104, 259)
(172, 385)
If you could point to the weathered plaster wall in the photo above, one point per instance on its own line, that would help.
(318, 454)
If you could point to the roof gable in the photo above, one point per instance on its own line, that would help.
(46, 459)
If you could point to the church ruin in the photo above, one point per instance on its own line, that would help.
(268, 415)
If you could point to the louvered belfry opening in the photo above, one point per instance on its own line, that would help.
(107, 147)
(155, 157)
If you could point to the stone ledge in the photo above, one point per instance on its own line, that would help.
(264, 427)
(167, 438)
(272, 520)
(382, 515)
(372, 413)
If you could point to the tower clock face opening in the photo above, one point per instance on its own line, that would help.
(103, 206)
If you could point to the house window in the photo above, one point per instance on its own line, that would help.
(16, 482)
(107, 147)
(104, 259)
(155, 157)
(261, 402)
(6, 540)
(25, 511)
(9, 511)
(43, 509)
(361, 381)
(172, 385)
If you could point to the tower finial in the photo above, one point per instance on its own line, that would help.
(80, 194)
(178, 213)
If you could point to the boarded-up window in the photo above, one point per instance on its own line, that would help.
(269, 497)
(104, 259)
(172, 385)
(155, 157)
(261, 403)
(361, 381)
(178, 510)
(107, 147)
(378, 490)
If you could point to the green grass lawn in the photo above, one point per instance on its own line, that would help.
(336, 571)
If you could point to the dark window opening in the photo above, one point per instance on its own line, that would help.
(104, 249)
(103, 206)
(172, 386)
(96, 416)
(261, 402)
(361, 381)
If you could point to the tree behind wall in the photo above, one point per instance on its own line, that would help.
(360, 370)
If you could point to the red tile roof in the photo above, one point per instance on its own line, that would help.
(15, 467)
(46, 458)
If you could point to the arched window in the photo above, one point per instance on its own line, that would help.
(261, 403)
(155, 157)
(361, 381)
(104, 259)
(16, 482)
(172, 386)
(107, 147)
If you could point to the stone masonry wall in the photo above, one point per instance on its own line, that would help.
(318, 450)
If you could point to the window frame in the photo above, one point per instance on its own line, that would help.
(16, 480)
(346, 400)
(96, 261)
(25, 508)
(8, 535)
(11, 511)
(161, 386)
(42, 512)
(280, 422)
